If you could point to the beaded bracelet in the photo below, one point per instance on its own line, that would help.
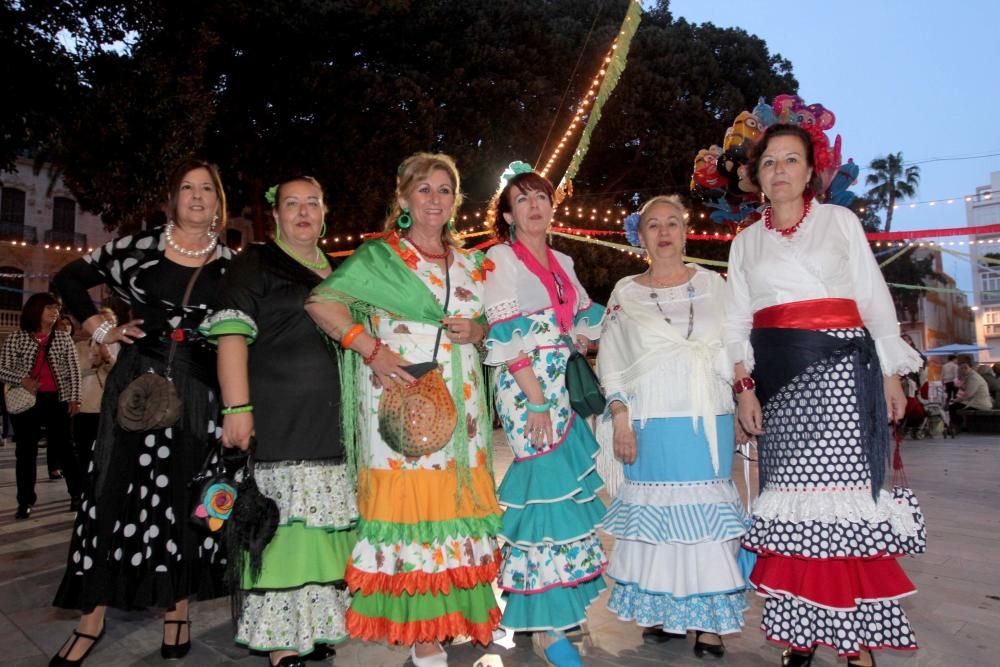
(540, 407)
(744, 384)
(374, 353)
(102, 331)
(237, 409)
(351, 334)
(515, 366)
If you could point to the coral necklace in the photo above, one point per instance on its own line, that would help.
(807, 204)
(430, 255)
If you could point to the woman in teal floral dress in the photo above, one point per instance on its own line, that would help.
(537, 308)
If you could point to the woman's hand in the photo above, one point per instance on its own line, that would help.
(582, 344)
(463, 330)
(237, 429)
(73, 407)
(30, 384)
(538, 429)
(895, 399)
(748, 412)
(387, 366)
(624, 441)
(126, 333)
(742, 437)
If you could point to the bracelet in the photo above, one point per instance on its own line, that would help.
(745, 384)
(237, 409)
(351, 334)
(102, 331)
(518, 365)
(540, 407)
(375, 350)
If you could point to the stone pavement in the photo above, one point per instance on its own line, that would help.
(956, 612)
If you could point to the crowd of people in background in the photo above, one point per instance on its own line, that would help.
(357, 399)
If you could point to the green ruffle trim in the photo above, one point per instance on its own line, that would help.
(474, 604)
(298, 555)
(385, 532)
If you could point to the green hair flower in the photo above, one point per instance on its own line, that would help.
(271, 195)
(515, 169)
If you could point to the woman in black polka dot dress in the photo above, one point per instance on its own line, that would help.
(808, 312)
(132, 545)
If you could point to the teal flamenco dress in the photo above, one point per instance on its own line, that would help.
(552, 556)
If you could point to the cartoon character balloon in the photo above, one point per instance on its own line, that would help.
(720, 177)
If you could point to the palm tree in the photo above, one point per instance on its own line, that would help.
(891, 182)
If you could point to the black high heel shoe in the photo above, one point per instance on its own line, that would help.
(59, 661)
(701, 648)
(289, 661)
(792, 658)
(176, 651)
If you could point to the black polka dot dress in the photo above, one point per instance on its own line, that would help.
(828, 548)
(132, 544)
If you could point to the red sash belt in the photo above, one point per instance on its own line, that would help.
(812, 314)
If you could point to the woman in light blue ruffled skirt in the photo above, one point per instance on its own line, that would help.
(677, 518)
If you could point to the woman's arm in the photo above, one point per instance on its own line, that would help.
(234, 381)
(335, 320)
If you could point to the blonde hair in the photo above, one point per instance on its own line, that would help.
(671, 200)
(300, 179)
(415, 168)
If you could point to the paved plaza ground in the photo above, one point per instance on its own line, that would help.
(956, 613)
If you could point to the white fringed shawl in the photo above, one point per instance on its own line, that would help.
(634, 344)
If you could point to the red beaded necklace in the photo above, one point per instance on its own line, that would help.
(807, 204)
(430, 255)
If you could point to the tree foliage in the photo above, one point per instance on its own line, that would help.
(892, 180)
(345, 89)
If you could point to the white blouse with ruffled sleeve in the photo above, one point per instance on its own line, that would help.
(828, 257)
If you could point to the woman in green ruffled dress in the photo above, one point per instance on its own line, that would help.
(280, 386)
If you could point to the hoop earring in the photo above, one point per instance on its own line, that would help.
(404, 220)
(322, 230)
(277, 231)
(451, 226)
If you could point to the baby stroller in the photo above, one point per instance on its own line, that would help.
(935, 420)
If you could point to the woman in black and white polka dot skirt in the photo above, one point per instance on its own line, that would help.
(809, 313)
(132, 545)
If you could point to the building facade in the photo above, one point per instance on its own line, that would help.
(42, 228)
(984, 209)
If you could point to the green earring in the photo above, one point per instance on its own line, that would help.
(404, 220)
(322, 230)
(451, 226)
(277, 232)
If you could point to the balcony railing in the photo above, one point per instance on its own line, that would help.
(10, 320)
(14, 232)
(59, 237)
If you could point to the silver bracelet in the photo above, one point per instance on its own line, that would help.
(101, 332)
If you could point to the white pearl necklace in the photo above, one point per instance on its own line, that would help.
(213, 239)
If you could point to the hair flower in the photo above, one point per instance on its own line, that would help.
(271, 195)
(514, 169)
(632, 229)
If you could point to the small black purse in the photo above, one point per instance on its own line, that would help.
(213, 492)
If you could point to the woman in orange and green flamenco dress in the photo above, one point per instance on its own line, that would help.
(426, 556)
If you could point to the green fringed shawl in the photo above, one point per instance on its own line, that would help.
(375, 278)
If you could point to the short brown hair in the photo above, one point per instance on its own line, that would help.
(785, 130)
(177, 177)
(526, 182)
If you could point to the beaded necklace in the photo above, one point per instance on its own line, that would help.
(429, 255)
(807, 204)
(318, 265)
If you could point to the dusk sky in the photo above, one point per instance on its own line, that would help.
(918, 77)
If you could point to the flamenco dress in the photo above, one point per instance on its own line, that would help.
(676, 517)
(552, 556)
(426, 556)
(818, 329)
(300, 599)
(132, 545)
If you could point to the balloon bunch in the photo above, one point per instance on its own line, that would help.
(721, 174)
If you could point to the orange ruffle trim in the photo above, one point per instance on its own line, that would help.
(415, 496)
(438, 629)
(416, 582)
